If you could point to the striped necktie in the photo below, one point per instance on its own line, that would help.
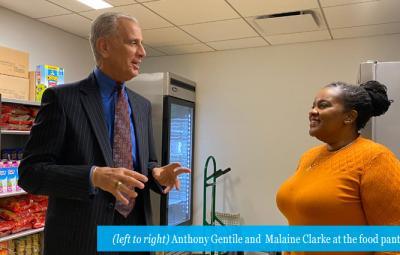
(122, 145)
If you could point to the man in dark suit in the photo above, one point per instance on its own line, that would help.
(91, 147)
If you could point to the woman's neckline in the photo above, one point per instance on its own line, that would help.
(343, 147)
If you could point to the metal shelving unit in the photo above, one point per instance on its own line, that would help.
(21, 234)
(12, 137)
(14, 132)
(23, 102)
(11, 194)
(15, 138)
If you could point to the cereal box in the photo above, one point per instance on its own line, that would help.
(47, 76)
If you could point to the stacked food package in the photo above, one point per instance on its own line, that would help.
(9, 176)
(28, 245)
(4, 248)
(11, 154)
(21, 213)
(17, 117)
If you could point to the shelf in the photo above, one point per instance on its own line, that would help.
(11, 194)
(15, 101)
(21, 234)
(14, 132)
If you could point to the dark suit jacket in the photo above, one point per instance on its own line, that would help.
(68, 138)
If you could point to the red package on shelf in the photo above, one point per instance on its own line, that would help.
(19, 109)
(20, 120)
(16, 204)
(4, 125)
(38, 207)
(9, 215)
(34, 111)
(19, 127)
(6, 108)
(6, 225)
(37, 198)
(44, 203)
(5, 233)
(17, 117)
(39, 220)
(21, 225)
(4, 117)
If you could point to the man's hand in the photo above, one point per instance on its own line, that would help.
(117, 180)
(168, 175)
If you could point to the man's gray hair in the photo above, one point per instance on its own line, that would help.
(103, 26)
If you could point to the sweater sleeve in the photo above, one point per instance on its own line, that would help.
(380, 191)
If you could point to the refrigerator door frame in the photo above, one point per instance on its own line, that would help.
(180, 87)
(368, 72)
(383, 129)
(168, 101)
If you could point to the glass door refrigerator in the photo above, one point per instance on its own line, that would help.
(173, 110)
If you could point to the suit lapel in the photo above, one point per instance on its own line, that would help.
(138, 120)
(91, 101)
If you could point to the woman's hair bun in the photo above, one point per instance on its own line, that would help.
(378, 94)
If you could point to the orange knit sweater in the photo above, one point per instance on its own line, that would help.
(356, 185)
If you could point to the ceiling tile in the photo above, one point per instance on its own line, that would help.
(382, 29)
(150, 52)
(369, 13)
(220, 30)
(238, 44)
(249, 8)
(184, 49)
(146, 18)
(299, 37)
(120, 2)
(94, 13)
(167, 37)
(72, 23)
(34, 8)
(195, 11)
(72, 5)
(325, 3)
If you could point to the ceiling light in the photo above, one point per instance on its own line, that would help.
(96, 4)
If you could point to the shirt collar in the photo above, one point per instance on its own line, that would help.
(107, 85)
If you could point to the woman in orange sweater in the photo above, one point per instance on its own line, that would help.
(349, 180)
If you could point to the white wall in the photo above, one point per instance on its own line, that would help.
(46, 44)
(252, 110)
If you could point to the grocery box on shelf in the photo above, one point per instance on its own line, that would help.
(47, 76)
(13, 87)
(14, 62)
(32, 85)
